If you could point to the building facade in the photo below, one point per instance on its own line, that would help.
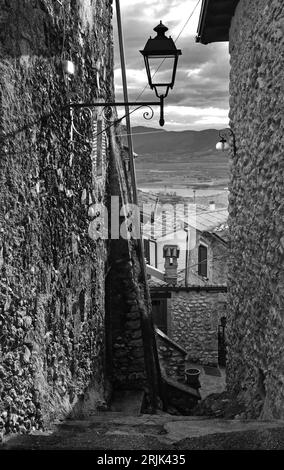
(202, 245)
(188, 288)
(192, 316)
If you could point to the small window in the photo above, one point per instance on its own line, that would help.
(153, 253)
(147, 250)
(99, 147)
(159, 313)
(150, 252)
(202, 260)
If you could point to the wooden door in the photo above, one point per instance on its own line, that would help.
(159, 312)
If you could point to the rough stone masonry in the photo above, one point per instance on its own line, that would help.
(256, 275)
(74, 308)
(195, 316)
(55, 339)
(52, 274)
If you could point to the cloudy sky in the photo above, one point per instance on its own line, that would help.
(199, 99)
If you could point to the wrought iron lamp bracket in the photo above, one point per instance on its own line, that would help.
(107, 111)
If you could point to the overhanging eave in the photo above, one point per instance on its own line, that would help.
(215, 20)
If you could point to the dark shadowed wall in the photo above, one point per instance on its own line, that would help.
(52, 273)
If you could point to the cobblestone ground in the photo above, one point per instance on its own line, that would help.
(210, 383)
(126, 429)
(115, 431)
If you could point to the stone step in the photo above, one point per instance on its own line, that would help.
(178, 431)
(128, 402)
(154, 432)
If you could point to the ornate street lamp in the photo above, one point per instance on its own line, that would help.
(161, 75)
(223, 144)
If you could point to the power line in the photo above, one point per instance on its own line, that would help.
(125, 115)
(178, 36)
(139, 133)
(208, 260)
(222, 209)
(188, 20)
(128, 114)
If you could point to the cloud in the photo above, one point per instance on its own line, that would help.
(203, 71)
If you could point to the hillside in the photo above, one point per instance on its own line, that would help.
(160, 141)
(176, 160)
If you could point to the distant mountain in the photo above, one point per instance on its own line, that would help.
(180, 159)
(157, 141)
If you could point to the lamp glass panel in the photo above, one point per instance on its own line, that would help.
(219, 146)
(161, 69)
(226, 146)
(222, 146)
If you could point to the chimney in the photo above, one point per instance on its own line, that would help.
(212, 206)
(171, 255)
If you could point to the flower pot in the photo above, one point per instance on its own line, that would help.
(192, 378)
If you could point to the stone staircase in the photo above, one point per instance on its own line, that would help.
(179, 397)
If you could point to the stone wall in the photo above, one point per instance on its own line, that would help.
(172, 357)
(52, 274)
(126, 296)
(256, 276)
(132, 352)
(220, 261)
(195, 315)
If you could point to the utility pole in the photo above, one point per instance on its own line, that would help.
(125, 96)
(150, 348)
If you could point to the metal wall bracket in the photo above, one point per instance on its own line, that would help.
(107, 110)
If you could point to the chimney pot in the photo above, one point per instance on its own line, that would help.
(171, 255)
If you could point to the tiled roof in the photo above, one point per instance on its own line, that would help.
(192, 279)
(204, 221)
(209, 220)
(147, 198)
(222, 231)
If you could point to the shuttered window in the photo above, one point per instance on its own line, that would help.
(99, 147)
(147, 250)
(150, 252)
(202, 260)
(159, 313)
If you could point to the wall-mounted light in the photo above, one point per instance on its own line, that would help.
(223, 143)
(161, 48)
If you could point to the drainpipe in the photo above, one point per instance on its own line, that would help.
(186, 261)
